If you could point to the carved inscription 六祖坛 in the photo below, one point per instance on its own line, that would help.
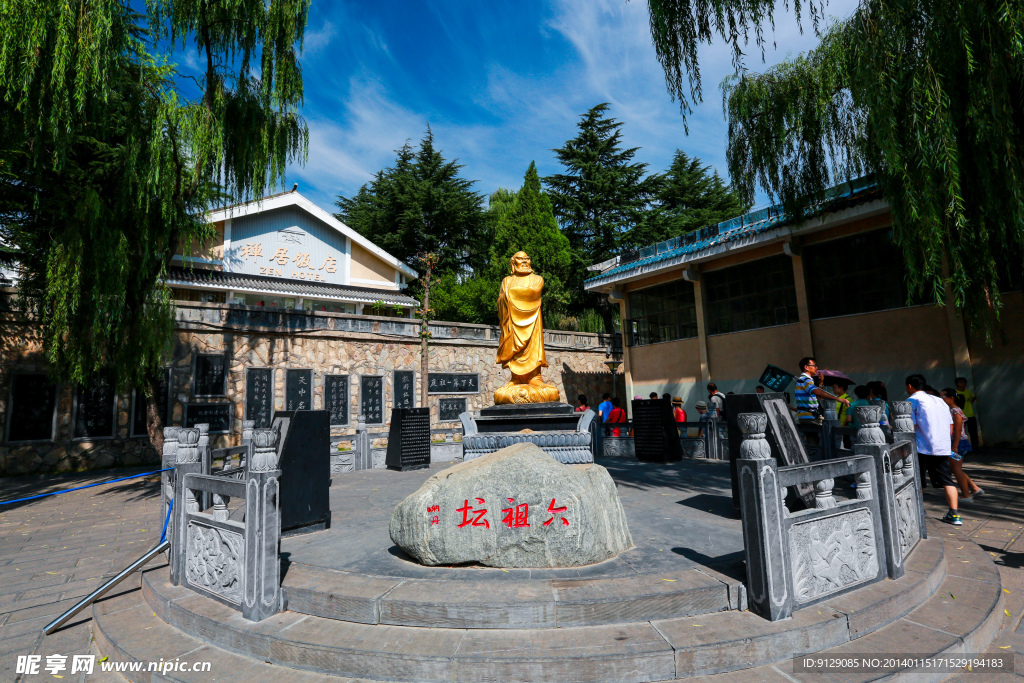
(832, 553)
(212, 561)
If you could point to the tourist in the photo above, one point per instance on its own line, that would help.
(581, 402)
(839, 387)
(667, 397)
(604, 407)
(616, 416)
(878, 395)
(759, 389)
(702, 411)
(850, 417)
(807, 393)
(962, 445)
(653, 396)
(969, 401)
(932, 423)
(677, 409)
(716, 402)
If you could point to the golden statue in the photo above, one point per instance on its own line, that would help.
(521, 348)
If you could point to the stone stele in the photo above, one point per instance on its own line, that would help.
(516, 507)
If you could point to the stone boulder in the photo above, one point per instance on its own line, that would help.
(516, 507)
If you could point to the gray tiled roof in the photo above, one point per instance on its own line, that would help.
(747, 225)
(199, 277)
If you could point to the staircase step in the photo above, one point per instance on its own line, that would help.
(505, 603)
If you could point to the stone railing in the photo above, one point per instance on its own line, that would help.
(795, 559)
(705, 440)
(234, 562)
(191, 314)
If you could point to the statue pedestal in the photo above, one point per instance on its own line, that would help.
(556, 428)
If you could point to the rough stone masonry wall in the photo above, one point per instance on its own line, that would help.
(327, 343)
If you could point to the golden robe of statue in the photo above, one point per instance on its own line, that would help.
(521, 348)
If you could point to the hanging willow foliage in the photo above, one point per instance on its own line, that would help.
(107, 165)
(928, 96)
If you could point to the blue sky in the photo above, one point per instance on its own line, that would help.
(501, 83)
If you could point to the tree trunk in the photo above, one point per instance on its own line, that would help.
(154, 420)
(424, 332)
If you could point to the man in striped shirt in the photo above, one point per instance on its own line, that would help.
(807, 393)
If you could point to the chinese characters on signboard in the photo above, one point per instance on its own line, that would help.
(449, 409)
(259, 397)
(299, 266)
(371, 399)
(211, 375)
(453, 383)
(217, 415)
(404, 385)
(336, 398)
(298, 390)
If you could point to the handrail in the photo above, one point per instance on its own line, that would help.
(102, 590)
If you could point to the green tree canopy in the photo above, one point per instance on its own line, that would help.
(602, 195)
(529, 225)
(108, 164)
(927, 96)
(688, 197)
(421, 205)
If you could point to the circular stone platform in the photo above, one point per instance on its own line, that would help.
(688, 559)
(671, 608)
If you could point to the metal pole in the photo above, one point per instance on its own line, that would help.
(102, 590)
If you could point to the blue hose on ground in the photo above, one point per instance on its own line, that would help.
(87, 486)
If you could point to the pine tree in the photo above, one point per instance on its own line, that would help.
(529, 225)
(421, 205)
(688, 198)
(602, 196)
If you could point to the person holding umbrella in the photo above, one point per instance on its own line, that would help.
(840, 384)
(807, 393)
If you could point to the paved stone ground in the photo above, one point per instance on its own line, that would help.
(57, 549)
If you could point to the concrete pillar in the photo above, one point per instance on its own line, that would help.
(702, 334)
(627, 370)
(800, 285)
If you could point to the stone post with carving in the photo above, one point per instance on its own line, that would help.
(871, 441)
(903, 430)
(204, 457)
(247, 428)
(362, 458)
(167, 459)
(188, 461)
(769, 579)
(262, 582)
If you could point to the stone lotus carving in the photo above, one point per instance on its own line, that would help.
(829, 406)
(901, 417)
(754, 445)
(265, 444)
(870, 433)
(188, 445)
(247, 427)
(212, 561)
(832, 553)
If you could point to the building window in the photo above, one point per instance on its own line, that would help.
(856, 274)
(33, 408)
(662, 313)
(751, 295)
(95, 411)
(181, 294)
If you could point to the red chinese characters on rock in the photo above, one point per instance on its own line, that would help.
(556, 511)
(468, 510)
(435, 511)
(516, 516)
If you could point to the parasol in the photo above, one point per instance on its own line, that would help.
(836, 377)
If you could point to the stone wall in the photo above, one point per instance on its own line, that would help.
(326, 343)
